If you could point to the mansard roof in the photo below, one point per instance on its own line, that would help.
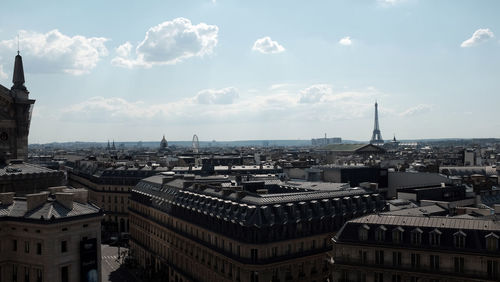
(475, 231)
(275, 204)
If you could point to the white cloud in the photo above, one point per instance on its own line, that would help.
(170, 42)
(229, 105)
(416, 110)
(266, 45)
(315, 93)
(481, 35)
(217, 96)
(346, 41)
(57, 52)
(2, 73)
(390, 2)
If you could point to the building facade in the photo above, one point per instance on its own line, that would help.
(213, 229)
(417, 248)
(109, 188)
(49, 236)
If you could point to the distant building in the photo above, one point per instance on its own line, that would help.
(217, 229)
(326, 141)
(354, 175)
(417, 248)
(335, 151)
(469, 157)
(50, 236)
(163, 144)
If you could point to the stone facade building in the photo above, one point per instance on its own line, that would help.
(49, 236)
(191, 228)
(109, 188)
(417, 248)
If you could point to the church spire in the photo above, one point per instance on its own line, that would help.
(18, 77)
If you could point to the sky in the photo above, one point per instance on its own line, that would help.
(252, 70)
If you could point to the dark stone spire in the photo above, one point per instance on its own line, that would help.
(18, 77)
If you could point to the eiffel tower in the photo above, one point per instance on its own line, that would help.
(376, 136)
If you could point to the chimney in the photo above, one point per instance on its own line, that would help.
(65, 199)
(33, 201)
(261, 191)
(80, 195)
(7, 198)
(56, 189)
(497, 209)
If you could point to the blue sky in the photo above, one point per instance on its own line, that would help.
(234, 70)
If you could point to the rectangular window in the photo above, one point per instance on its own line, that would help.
(396, 278)
(274, 251)
(14, 245)
(254, 276)
(416, 238)
(65, 274)
(396, 258)
(492, 266)
(379, 277)
(434, 262)
(379, 257)
(26, 274)
(363, 257)
(14, 273)
(415, 260)
(254, 255)
(459, 264)
(64, 246)
(39, 275)
(26, 247)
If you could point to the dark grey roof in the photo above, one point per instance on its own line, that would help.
(23, 168)
(433, 221)
(292, 203)
(475, 230)
(50, 209)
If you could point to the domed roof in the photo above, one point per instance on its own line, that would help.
(163, 143)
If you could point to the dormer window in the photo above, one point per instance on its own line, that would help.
(459, 239)
(380, 233)
(435, 237)
(363, 232)
(397, 235)
(416, 236)
(491, 241)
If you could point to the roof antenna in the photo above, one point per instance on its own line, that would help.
(18, 43)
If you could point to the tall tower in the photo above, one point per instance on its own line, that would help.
(376, 136)
(15, 116)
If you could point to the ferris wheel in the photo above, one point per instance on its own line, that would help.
(196, 144)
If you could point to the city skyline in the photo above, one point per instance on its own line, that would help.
(248, 71)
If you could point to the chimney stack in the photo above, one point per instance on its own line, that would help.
(7, 198)
(65, 199)
(34, 201)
